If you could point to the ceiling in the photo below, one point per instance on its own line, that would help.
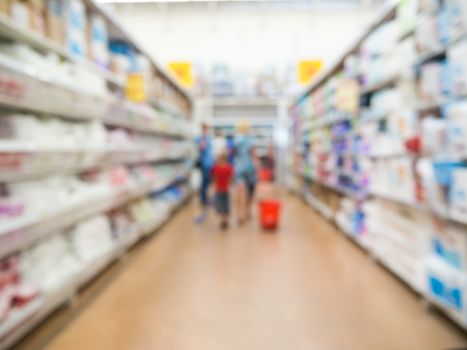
(301, 4)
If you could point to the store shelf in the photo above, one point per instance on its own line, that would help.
(169, 110)
(429, 56)
(388, 10)
(322, 91)
(343, 191)
(49, 303)
(397, 200)
(407, 34)
(145, 120)
(20, 317)
(15, 32)
(19, 324)
(384, 83)
(29, 88)
(244, 101)
(430, 106)
(16, 235)
(120, 30)
(327, 122)
(319, 206)
(439, 52)
(34, 161)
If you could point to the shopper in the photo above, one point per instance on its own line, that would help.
(268, 163)
(222, 175)
(206, 160)
(220, 144)
(245, 173)
(230, 145)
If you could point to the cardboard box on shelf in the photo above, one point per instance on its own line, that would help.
(97, 40)
(37, 16)
(55, 20)
(4, 7)
(27, 13)
(20, 12)
(75, 28)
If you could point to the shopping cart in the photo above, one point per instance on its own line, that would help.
(269, 213)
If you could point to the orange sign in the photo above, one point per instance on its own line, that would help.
(183, 71)
(307, 70)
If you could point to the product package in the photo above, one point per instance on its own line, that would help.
(75, 28)
(448, 288)
(98, 41)
(20, 12)
(55, 20)
(458, 194)
(449, 243)
(455, 114)
(400, 237)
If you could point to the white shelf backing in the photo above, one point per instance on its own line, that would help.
(24, 321)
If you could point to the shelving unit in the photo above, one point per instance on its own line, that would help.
(26, 319)
(91, 151)
(407, 212)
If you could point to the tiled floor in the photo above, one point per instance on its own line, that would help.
(304, 287)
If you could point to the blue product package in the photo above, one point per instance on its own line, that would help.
(122, 48)
(446, 78)
(76, 28)
(448, 295)
(444, 170)
(444, 24)
(451, 256)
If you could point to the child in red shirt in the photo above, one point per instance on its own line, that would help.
(222, 174)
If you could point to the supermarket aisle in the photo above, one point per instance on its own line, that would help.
(305, 288)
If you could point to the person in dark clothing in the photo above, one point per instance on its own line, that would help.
(206, 161)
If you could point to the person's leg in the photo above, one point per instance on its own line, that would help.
(203, 194)
(241, 193)
(251, 189)
(226, 210)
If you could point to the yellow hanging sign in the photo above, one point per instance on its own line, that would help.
(184, 73)
(307, 70)
(135, 90)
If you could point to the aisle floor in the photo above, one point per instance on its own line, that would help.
(306, 287)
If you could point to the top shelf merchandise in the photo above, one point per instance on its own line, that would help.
(64, 39)
(383, 131)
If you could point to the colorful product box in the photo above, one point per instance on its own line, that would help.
(4, 7)
(76, 23)
(55, 20)
(20, 12)
(449, 243)
(37, 13)
(98, 41)
(458, 195)
(447, 287)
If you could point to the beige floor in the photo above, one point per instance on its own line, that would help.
(306, 287)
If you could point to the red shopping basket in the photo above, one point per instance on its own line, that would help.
(269, 211)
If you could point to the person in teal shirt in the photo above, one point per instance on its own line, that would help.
(245, 172)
